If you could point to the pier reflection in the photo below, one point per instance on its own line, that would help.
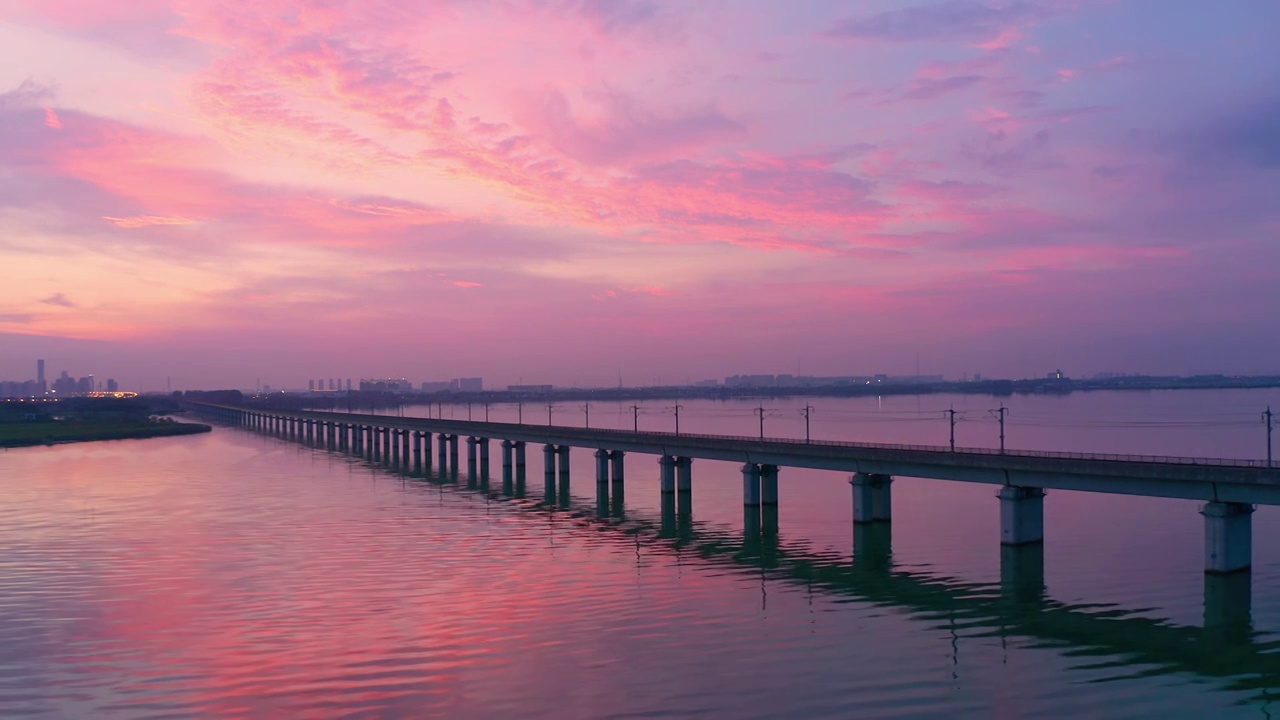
(1225, 648)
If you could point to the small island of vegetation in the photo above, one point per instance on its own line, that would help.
(48, 422)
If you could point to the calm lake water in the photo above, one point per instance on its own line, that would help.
(233, 575)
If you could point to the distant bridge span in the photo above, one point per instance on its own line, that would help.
(1229, 488)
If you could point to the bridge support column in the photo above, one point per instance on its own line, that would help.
(1021, 515)
(417, 451)
(484, 461)
(1022, 572)
(473, 458)
(563, 452)
(521, 475)
(617, 484)
(752, 502)
(602, 481)
(549, 473)
(1228, 604)
(1228, 536)
(684, 486)
(427, 440)
(442, 452)
(751, 485)
(453, 456)
(872, 501)
(386, 444)
(667, 474)
(769, 499)
(508, 488)
(872, 546)
(406, 442)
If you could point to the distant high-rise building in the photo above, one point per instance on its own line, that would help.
(348, 383)
(473, 384)
(40, 371)
(331, 384)
(112, 385)
(311, 384)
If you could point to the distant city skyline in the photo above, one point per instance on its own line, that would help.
(204, 195)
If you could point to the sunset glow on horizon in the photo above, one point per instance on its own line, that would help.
(572, 191)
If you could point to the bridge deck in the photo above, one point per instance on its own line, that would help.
(1206, 479)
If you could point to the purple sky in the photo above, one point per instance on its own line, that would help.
(548, 191)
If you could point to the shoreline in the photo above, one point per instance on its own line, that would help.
(96, 432)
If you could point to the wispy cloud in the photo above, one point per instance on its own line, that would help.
(59, 300)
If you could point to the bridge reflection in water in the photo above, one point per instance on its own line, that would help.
(1225, 648)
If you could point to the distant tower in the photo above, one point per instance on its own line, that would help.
(40, 371)
(348, 383)
(311, 384)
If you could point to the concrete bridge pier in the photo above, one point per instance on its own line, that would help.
(442, 453)
(375, 444)
(1021, 515)
(1228, 537)
(1228, 605)
(751, 485)
(668, 527)
(872, 501)
(311, 432)
(872, 546)
(508, 486)
(521, 475)
(484, 461)
(667, 474)
(751, 502)
(453, 456)
(769, 499)
(549, 474)
(1022, 572)
(684, 487)
(394, 437)
(406, 443)
(417, 452)
(602, 482)
(563, 452)
(617, 489)
(427, 439)
(473, 459)
(386, 444)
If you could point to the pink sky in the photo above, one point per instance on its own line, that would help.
(547, 191)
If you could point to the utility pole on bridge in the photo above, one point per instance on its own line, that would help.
(1000, 416)
(1267, 417)
(807, 409)
(635, 418)
(952, 413)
